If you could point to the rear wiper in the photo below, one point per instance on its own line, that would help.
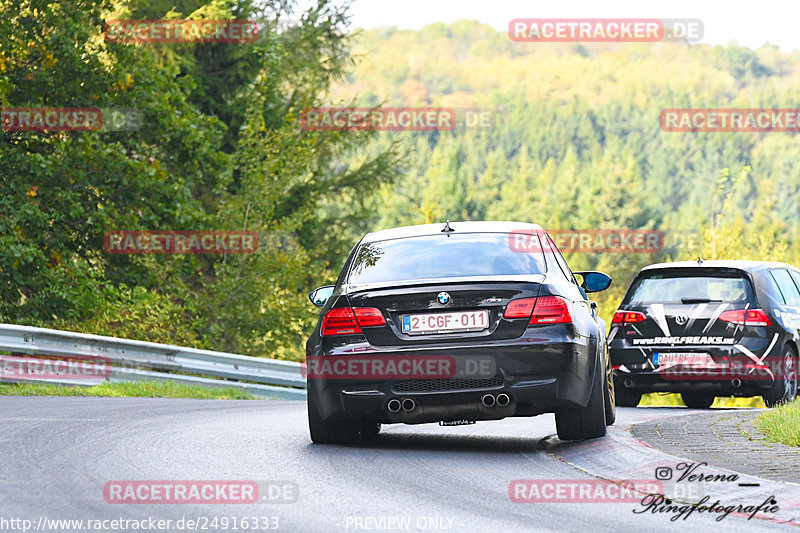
(698, 300)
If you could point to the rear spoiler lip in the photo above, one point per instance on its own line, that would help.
(357, 288)
(639, 306)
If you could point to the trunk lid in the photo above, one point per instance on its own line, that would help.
(468, 301)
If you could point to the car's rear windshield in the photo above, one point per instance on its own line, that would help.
(442, 256)
(688, 287)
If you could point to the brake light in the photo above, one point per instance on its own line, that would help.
(368, 317)
(340, 321)
(746, 317)
(520, 308)
(550, 310)
(627, 317)
(757, 317)
(348, 321)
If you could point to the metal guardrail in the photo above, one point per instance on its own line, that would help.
(149, 361)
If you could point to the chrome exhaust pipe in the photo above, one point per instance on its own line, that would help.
(736, 382)
(503, 399)
(409, 405)
(487, 400)
(628, 383)
(393, 406)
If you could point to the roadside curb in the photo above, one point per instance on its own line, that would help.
(727, 439)
(626, 454)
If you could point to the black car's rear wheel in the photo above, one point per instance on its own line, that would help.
(784, 390)
(697, 400)
(323, 432)
(577, 423)
(610, 396)
(627, 397)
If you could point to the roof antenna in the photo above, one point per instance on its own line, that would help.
(447, 228)
(699, 260)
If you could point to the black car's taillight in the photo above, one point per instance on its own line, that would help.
(627, 317)
(349, 321)
(369, 317)
(746, 317)
(540, 311)
(520, 308)
(551, 310)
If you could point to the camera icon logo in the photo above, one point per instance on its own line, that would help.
(663, 473)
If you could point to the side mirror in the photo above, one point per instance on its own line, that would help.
(594, 281)
(319, 296)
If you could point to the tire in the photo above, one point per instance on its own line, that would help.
(322, 432)
(579, 423)
(627, 397)
(610, 396)
(785, 390)
(697, 400)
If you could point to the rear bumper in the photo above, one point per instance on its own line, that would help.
(732, 372)
(527, 397)
(538, 377)
(721, 385)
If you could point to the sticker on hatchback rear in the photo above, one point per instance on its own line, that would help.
(685, 340)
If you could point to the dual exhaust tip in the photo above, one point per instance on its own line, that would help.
(501, 400)
(407, 405)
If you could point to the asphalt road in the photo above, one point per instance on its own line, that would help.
(57, 455)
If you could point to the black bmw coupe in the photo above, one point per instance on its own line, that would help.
(454, 323)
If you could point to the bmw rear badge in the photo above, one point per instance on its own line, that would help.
(443, 298)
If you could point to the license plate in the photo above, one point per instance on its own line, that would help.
(456, 422)
(446, 322)
(682, 358)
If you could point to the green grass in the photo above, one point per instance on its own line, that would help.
(674, 400)
(781, 424)
(152, 389)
